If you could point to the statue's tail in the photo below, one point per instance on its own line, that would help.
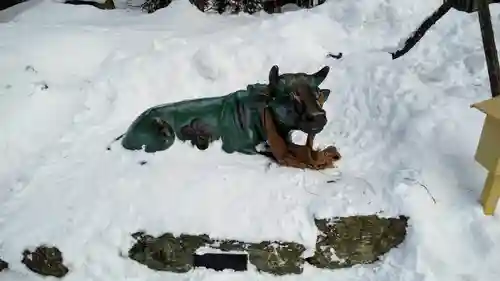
(116, 139)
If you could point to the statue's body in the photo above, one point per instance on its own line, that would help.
(233, 119)
(292, 101)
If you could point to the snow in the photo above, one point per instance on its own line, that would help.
(399, 125)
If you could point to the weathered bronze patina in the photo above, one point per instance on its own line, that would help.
(290, 101)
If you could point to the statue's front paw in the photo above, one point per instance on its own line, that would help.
(331, 152)
(325, 158)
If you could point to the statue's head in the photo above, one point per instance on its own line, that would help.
(297, 101)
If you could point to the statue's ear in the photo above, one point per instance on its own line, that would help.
(320, 76)
(274, 76)
(323, 95)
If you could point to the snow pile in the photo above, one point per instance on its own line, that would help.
(400, 125)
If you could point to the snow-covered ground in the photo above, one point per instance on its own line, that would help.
(398, 124)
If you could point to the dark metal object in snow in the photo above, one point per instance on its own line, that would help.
(468, 6)
(219, 262)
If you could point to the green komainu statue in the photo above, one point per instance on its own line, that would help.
(294, 101)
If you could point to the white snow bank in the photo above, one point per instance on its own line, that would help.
(398, 124)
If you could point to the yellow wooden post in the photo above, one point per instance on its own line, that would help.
(491, 193)
(488, 153)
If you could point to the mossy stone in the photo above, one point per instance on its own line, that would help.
(342, 242)
(164, 253)
(278, 258)
(348, 241)
(192, 242)
(47, 261)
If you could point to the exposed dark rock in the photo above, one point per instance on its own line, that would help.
(47, 261)
(166, 252)
(229, 245)
(278, 258)
(342, 242)
(3, 265)
(193, 242)
(272, 257)
(150, 6)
